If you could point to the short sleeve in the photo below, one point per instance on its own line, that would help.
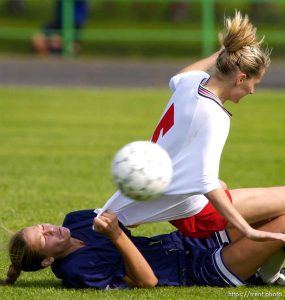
(93, 270)
(194, 76)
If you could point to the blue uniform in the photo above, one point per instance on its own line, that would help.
(176, 260)
(80, 11)
(80, 15)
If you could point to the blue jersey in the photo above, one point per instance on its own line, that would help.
(175, 260)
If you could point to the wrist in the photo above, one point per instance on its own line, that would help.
(115, 235)
(248, 232)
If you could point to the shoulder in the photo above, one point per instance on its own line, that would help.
(96, 267)
(211, 116)
(191, 77)
(71, 274)
(77, 216)
(212, 110)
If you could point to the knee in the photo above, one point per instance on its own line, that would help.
(278, 223)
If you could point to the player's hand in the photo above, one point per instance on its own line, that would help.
(108, 225)
(261, 236)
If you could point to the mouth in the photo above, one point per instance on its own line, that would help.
(63, 232)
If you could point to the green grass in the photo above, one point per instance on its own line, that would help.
(56, 148)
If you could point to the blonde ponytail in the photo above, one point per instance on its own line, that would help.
(239, 33)
(242, 48)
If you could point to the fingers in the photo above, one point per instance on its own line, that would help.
(106, 221)
(273, 236)
(278, 236)
(109, 214)
(258, 235)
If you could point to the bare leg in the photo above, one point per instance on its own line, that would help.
(243, 257)
(234, 234)
(259, 204)
(40, 44)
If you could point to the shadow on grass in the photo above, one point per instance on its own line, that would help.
(40, 283)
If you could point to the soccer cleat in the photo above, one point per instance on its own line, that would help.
(281, 278)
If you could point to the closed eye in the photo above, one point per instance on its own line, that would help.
(42, 239)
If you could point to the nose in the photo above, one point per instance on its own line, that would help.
(49, 230)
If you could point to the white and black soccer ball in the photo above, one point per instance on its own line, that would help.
(142, 170)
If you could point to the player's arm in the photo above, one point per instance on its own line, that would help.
(138, 271)
(223, 184)
(222, 204)
(213, 134)
(204, 64)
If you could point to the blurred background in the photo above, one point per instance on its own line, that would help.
(147, 28)
(168, 32)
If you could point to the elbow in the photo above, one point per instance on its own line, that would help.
(152, 283)
(223, 184)
(148, 283)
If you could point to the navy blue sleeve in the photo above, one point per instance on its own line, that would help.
(94, 270)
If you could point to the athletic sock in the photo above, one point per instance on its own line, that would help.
(270, 270)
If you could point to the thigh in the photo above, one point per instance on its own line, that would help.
(205, 264)
(259, 204)
(243, 257)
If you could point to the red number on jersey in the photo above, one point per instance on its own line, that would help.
(165, 124)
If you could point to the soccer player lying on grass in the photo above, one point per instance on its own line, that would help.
(112, 258)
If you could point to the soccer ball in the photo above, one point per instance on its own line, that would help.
(142, 170)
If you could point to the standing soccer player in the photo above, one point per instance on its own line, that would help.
(193, 129)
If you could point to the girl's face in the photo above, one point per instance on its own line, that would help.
(49, 240)
(245, 86)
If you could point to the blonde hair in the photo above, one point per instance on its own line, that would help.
(241, 48)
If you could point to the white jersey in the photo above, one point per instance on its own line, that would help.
(193, 130)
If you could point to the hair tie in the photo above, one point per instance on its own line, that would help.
(239, 61)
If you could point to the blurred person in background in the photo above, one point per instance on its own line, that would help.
(178, 11)
(49, 41)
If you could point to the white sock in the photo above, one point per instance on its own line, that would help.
(270, 270)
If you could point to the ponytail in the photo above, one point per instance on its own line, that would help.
(12, 275)
(241, 48)
(22, 257)
(239, 33)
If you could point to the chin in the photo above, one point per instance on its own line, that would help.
(65, 232)
(235, 101)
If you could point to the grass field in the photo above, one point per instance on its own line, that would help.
(56, 148)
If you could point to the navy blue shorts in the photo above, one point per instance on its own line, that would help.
(206, 266)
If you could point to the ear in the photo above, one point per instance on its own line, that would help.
(47, 262)
(241, 77)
